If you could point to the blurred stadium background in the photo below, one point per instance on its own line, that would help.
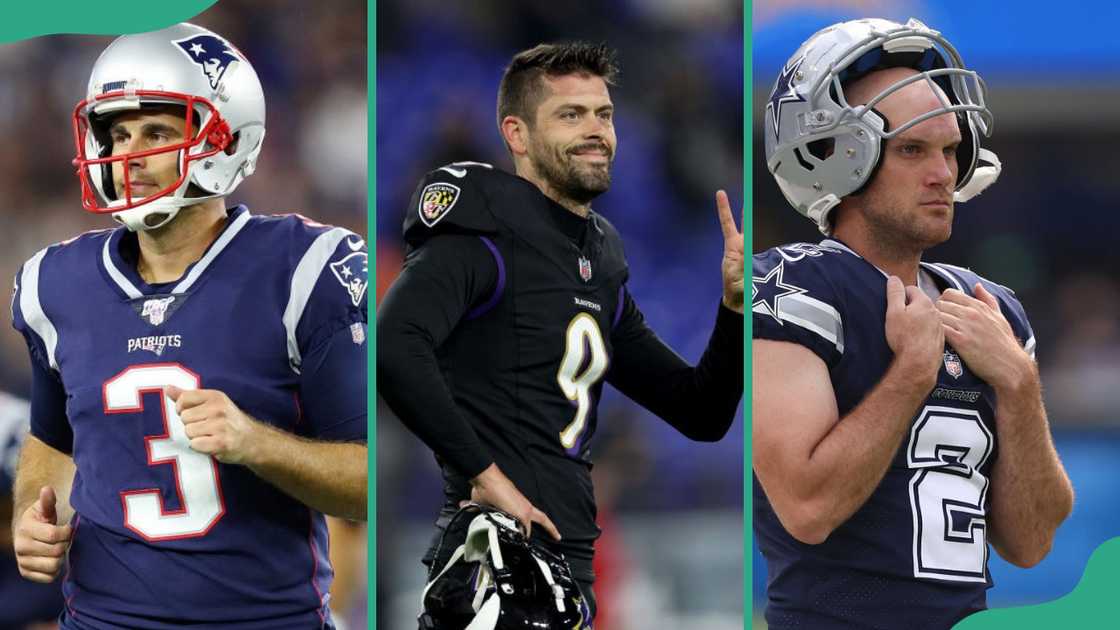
(311, 58)
(1045, 229)
(671, 510)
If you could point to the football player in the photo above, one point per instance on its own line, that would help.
(898, 421)
(203, 367)
(512, 310)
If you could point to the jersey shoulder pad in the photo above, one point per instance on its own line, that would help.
(452, 199)
(46, 283)
(965, 279)
(794, 300)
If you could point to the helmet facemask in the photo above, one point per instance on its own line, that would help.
(809, 110)
(205, 134)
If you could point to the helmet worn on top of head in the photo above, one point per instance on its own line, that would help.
(494, 578)
(195, 71)
(821, 148)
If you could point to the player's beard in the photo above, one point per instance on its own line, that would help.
(898, 234)
(571, 178)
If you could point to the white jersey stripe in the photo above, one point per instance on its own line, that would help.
(129, 289)
(303, 283)
(32, 309)
(210, 255)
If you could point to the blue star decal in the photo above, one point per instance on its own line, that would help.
(783, 93)
(766, 291)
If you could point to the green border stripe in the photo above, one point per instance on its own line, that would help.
(371, 389)
(748, 231)
(1093, 599)
(86, 18)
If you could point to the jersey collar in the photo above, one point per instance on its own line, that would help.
(123, 274)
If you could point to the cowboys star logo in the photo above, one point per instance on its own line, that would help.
(783, 93)
(767, 292)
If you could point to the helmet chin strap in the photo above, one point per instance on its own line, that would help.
(135, 219)
(982, 177)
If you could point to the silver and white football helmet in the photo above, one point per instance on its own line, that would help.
(223, 103)
(820, 147)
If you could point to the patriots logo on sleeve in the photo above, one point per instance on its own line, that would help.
(212, 55)
(352, 272)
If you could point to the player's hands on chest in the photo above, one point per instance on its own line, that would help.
(215, 425)
(976, 328)
(914, 330)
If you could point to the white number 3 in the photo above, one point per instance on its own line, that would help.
(196, 474)
(948, 447)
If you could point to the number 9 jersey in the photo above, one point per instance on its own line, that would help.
(494, 343)
(915, 554)
(274, 316)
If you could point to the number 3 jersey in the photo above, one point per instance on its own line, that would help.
(496, 339)
(274, 316)
(915, 554)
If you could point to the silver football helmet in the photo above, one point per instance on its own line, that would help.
(820, 148)
(223, 103)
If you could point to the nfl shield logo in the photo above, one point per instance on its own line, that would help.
(953, 365)
(585, 269)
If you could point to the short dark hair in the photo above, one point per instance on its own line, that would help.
(521, 88)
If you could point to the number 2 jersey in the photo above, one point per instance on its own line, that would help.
(274, 316)
(494, 343)
(915, 554)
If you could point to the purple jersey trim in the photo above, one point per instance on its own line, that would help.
(621, 303)
(482, 309)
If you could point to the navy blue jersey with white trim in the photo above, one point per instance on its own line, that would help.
(915, 554)
(274, 316)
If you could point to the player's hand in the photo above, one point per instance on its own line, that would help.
(491, 487)
(39, 541)
(732, 266)
(215, 425)
(976, 328)
(914, 330)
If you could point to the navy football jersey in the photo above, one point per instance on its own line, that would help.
(274, 316)
(915, 554)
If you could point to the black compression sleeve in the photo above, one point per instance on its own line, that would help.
(698, 401)
(439, 283)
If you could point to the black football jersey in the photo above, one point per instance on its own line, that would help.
(525, 304)
(915, 555)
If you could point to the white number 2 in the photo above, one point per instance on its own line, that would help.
(196, 474)
(583, 337)
(947, 448)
